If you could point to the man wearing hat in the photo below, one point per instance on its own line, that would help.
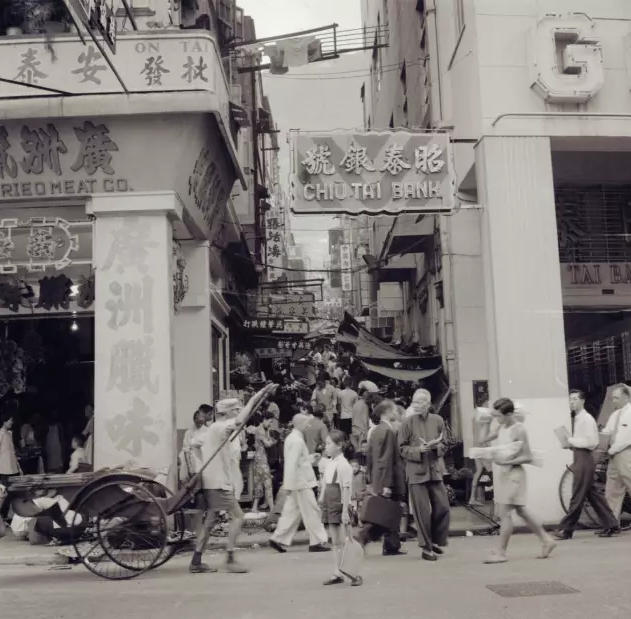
(222, 482)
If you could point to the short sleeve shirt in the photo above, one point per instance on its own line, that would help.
(344, 472)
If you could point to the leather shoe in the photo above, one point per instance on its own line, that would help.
(562, 535)
(334, 580)
(319, 548)
(276, 546)
(428, 555)
(438, 550)
(609, 532)
(393, 553)
(201, 568)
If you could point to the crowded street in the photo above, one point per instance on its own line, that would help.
(315, 308)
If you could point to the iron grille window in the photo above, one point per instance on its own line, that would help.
(594, 223)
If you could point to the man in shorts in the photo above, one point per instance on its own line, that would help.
(222, 482)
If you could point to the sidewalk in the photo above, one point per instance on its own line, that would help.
(20, 552)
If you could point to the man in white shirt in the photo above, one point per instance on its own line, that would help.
(346, 399)
(299, 480)
(582, 442)
(619, 468)
(222, 481)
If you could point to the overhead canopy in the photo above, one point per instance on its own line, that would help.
(366, 344)
(399, 374)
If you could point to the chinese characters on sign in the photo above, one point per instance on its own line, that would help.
(172, 63)
(274, 235)
(345, 265)
(37, 160)
(132, 378)
(269, 324)
(371, 173)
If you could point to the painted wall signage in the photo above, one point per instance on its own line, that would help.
(589, 283)
(567, 58)
(373, 172)
(133, 365)
(41, 159)
(145, 64)
(80, 157)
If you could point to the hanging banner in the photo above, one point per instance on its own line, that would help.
(274, 245)
(345, 266)
(373, 172)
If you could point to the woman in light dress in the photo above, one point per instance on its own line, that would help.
(509, 481)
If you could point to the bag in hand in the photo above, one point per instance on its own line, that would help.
(381, 511)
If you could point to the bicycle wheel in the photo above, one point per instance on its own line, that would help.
(125, 530)
(588, 517)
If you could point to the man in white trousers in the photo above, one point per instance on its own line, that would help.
(300, 503)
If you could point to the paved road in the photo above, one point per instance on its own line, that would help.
(289, 586)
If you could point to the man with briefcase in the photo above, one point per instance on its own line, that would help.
(422, 448)
(381, 512)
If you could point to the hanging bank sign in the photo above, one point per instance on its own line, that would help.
(374, 172)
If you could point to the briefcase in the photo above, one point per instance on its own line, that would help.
(381, 511)
(352, 557)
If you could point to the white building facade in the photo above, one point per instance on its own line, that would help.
(536, 97)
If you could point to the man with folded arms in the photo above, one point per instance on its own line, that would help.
(420, 442)
(582, 442)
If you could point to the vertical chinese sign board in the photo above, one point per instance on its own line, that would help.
(345, 266)
(134, 413)
(374, 173)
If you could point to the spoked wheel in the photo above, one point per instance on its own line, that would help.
(125, 530)
(588, 517)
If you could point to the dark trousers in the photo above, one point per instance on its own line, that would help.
(372, 532)
(430, 505)
(583, 490)
(346, 425)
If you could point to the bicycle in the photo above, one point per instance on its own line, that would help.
(589, 518)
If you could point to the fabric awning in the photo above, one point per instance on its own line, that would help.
(398, 374)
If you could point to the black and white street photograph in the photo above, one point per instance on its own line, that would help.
(315, 308)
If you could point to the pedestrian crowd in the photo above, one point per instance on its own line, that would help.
(356, 463)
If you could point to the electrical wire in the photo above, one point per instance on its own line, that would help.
(350, 75)
(347, 71)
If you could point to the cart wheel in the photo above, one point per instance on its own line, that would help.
(124, 530)
(176, 523)
(588, 517)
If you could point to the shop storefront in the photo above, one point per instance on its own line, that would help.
(109, 207)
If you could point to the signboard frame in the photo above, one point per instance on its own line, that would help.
(372, 172)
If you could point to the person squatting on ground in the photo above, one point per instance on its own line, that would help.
(509, 482)
(422, 448)
(334, 500)
(222, 482)
(299, 480)
(384, 474)
(619, 469)
(583, 440)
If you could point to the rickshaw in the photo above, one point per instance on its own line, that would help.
(124, 523)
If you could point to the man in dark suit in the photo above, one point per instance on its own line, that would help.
(384, 474)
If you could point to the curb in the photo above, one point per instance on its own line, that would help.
(217, 544)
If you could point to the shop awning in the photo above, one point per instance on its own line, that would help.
(366, 344)
(399, 374)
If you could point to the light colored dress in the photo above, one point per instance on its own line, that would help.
(509, 482)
